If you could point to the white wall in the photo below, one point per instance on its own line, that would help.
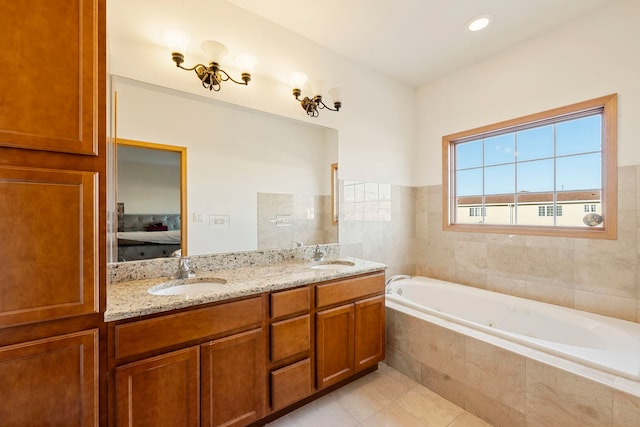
(376, 126)
(595, 55)
(149, 188)
(232, 154)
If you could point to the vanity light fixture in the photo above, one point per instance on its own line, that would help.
(212, 75)
(315, 103)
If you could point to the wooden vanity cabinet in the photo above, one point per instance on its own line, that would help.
(291, 377)
(204, 366)
(246, 361)
(350, 332)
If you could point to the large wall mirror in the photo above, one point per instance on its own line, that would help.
(255, 180)
(151, 200)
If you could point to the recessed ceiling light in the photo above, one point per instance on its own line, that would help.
(479, 22)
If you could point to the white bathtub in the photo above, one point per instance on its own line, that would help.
(605, 343)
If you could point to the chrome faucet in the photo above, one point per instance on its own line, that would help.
(318, 255)
(387, 285)
(183, 268)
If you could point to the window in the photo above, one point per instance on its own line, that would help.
(477, 212)
(541, 174)
(549, 211)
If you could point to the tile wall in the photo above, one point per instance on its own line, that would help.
(378, 223)
(599, 276)
(284, 219)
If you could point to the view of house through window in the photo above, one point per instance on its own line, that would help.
(546, 170)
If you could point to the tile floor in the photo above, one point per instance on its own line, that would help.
(383, 398)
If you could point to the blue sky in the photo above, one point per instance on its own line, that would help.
(577, 167)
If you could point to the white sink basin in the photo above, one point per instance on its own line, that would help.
(188, 287)
(332, 265)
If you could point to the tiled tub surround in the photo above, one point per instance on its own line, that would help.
(245, 274)
(600, 276)
(604, 343)
(506, 383)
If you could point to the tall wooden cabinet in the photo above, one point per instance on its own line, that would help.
(52, 205)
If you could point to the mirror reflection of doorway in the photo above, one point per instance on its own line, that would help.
(151, 200)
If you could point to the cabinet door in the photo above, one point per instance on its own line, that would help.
(160, 391)
(50, 382)
(370, 332)
(233, 379)
(51, 83)
(335, 345)
(50, 259)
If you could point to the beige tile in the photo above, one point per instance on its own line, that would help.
(607, 305)
(507, 258)
(626, 410)
(391, 416)
(506, 283)
(558, 398)
(468, 420)
(471, 263)
(325, 411)
(441, 349)
(606, 273)
(435, 198)
(550, 292)
(550, 263)
(450, 388)
(493, 411)
(362, 398)
(393, 383)
(496, 373)
(404, 363)
(627, 187)
(429, 407)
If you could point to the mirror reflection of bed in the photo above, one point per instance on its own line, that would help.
(150, 178)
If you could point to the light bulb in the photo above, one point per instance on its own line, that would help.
(176, 41)
(215, 51)
(336, 94)
(297, 80)
(317, 87)
(478, 23)
(246, 62)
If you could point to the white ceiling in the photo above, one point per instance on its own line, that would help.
(412, 41)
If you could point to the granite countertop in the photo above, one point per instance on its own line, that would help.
(130, 299)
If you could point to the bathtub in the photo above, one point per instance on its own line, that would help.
(604, 343)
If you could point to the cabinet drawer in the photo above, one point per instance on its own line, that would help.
(153, 334)
(290, 337)
(290, 384)
(348, 290)
(290, 302)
